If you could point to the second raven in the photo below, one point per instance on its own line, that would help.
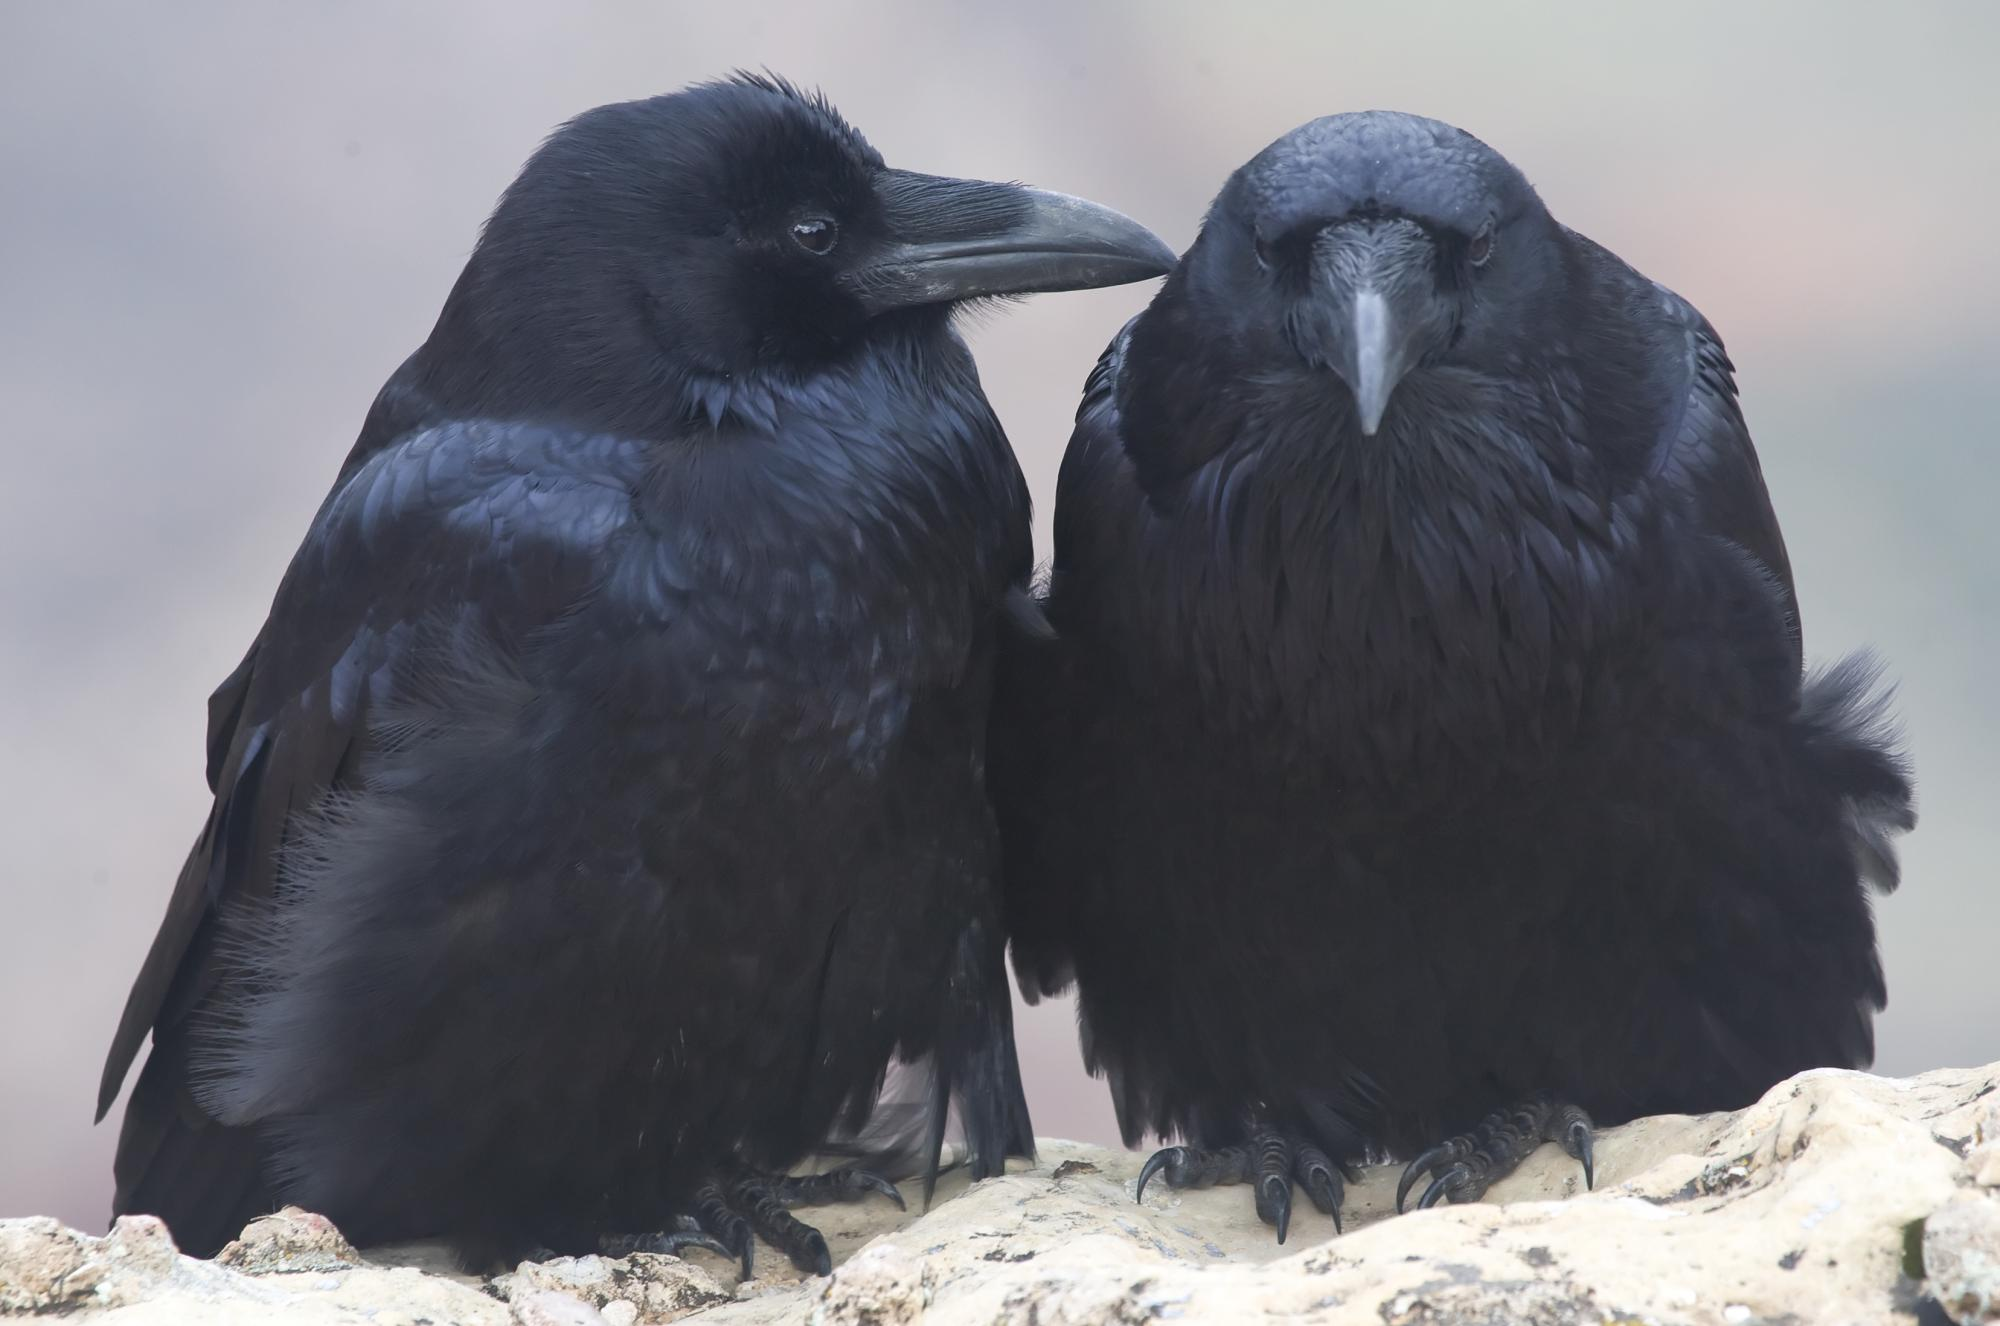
(1425, 759)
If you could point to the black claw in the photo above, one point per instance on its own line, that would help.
(1274, 1202)
(1435, 1193)
(1417, 1168)
(1275, 1161)
(1159, 1160)
(1583, 1149)
(876, 1183)
(1322, 1182)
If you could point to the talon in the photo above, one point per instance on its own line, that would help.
(1581, 1146)
(1417, 1168)
(1175, 1156)
(876, 1183)
(1435, 1193)
(1274, 1202)
(1322, 1183)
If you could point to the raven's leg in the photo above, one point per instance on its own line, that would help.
(1462, 1167)
(1270, 1159)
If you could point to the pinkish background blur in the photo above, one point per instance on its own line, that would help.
(221, 226)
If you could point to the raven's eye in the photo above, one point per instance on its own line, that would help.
(1481, 247)
(1266, 253)
(815, 234)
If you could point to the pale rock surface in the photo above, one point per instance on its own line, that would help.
(642, 1289)
(1839, 1197)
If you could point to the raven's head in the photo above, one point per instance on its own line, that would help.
(737, 227)
(1372, 245)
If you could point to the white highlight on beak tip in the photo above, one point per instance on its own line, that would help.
(1371, 358)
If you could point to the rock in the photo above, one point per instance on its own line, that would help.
(1961, 1248)
(644, 1288)
(1838, 1197)
(45, 1267)
(134, 1276)
(545, 1307)
(291, 1240)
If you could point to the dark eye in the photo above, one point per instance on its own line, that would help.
(815, 234)
(1266, 253)
(1481, 247)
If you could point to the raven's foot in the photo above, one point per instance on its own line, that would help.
(1271, 1160)
(746, 1205)
(1462, 1167)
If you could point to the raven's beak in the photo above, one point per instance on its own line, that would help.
(1376, 362)
(1379, 283)
(959, 239)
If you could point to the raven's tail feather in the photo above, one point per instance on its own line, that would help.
(980, 1064)
(972, 1073)
(1857, 750)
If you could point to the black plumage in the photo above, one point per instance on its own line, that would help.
(1425, 749)
(600, 812)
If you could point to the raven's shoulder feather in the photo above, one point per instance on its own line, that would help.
(507, 521)
(1694, 445)
(1706, 451)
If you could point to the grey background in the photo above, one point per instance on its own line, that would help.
(222, 226)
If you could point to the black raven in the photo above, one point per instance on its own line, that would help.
(600, 812)
(1424, 761)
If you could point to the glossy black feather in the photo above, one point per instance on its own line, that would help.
(603, 799)
(1376, 782)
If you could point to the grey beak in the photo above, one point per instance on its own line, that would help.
(960, 239)
(1374, 376)
(1381, 307)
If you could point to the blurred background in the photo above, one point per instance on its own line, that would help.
(222, 226)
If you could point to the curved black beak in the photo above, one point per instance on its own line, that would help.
(959, 239)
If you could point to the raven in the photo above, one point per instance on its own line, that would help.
(600, 813)
(1424, 761)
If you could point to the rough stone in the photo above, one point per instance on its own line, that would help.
(291, 1240)
(644, 1288)
(1961, 1245)
(1838, 1197)
(546, 1307)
